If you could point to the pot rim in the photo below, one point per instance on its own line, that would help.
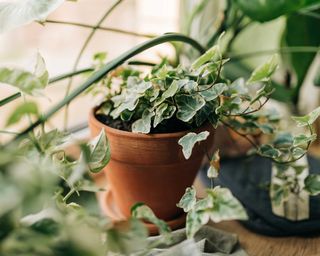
(96, 122)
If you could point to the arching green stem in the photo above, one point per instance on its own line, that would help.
(17, 95)
(107, 68)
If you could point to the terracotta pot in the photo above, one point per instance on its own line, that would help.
(149, 168)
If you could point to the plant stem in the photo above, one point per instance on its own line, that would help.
(9, 132)
(107, 68)
(116, 30)
(83, 48)
(67, 196)
(10, 98)
(51, 81)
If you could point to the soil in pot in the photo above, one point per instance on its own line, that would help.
(149, 168)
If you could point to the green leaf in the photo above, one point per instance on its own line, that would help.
(269, 9)
(105, 108)
(127, 237)
(141, 211)
(308, 119)
(170, 92)
(188, 105)
(125, 102)
(189, 140)
(164, 111)
(299, 31)
(195, 220)
(297, 152)
(152, 93)
(303, 139)
(188, 200)
(280, 193)
(100, 58)
(212, 54)
(265, 128)
(142, 87)
(14, 14)
(99, 153)
(29, 83)
(226, 206)
(213, 92)
(264, 71)
(52, 140)
(143, 125)
(207, 113)
(283, 140)
(269, 151)
(312, 184)
(26, 109)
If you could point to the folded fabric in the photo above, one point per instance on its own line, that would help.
(207, 241)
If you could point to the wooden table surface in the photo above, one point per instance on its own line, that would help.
(259, 245)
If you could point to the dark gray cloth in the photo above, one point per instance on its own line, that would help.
(207, 241)
(247, 178)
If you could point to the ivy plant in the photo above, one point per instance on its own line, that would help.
(40, 213)
(170, 99)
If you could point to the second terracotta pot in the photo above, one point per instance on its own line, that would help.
(149, 168)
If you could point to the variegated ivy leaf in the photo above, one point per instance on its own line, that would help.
(297, 152)
(280, 193)
(25, 81)
(188, 105)
(132, 81)
(143, 125)
(128, 100)
(99, 155)
(188, 200)
(312, 184)
(152, 93)
(307, 119)
(210, 55)
(198, 216)
(283, 140)
(127, 237)
(164, 111)
(269, 151)
(105, 108)
(14, 14)
(141, 211)
(264, 71)
(190, 86)
(238, 87)
(142, 87)
(214, 168)
(214, 91)
(171, 91)
(195, 220)
(303, 139)
(23, 110)
(226, 206)
(162, 72)
(188, 141)
(130, 103)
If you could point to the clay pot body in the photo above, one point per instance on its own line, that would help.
(149, 168)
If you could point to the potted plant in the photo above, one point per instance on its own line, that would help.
(286, 28)
(150, 114)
